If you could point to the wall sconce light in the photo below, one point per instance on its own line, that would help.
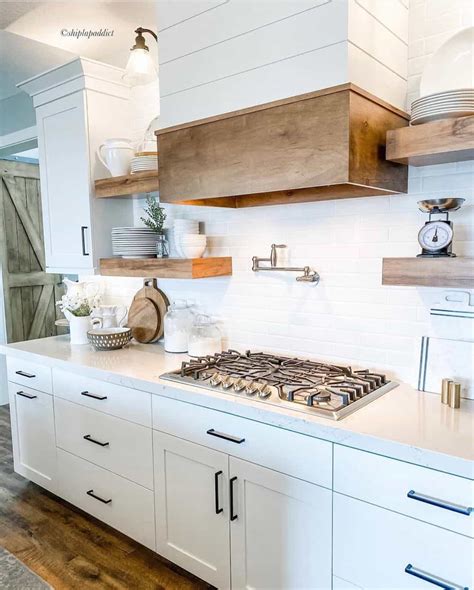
(140, 67)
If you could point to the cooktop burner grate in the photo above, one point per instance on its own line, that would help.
(328, 390)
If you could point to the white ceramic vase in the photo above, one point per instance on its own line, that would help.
(78, 328)
(116, 155)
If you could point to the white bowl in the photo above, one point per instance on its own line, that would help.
(193, 251)
(193, 238)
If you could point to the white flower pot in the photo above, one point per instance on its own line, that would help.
(78, 328)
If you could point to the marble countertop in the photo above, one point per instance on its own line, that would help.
(404, 423)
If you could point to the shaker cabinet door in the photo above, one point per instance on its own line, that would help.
(65, 182)
(280, 530)
(192, 509)
(34, 444)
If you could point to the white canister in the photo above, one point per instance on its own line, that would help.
(205, 337)
(178, 320)
(116, 155)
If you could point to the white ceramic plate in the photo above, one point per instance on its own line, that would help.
(438, 116)
(450, 68)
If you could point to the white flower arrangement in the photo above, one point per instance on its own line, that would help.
(78, 303)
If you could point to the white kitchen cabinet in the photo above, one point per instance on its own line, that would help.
(192, 514)
(78, 106)
(373, 547)
(280, 530)
(33, 437)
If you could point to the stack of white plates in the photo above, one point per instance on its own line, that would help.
(442, 105)
(134, 242)
(182, 227)
(144, 161)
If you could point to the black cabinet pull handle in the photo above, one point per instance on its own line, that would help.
(23, 374)
(87, 394)
(27, 395)
(466, 510)
(229, 437)
(96, 442)
(92, 495)
(435, 580)
(231, 488)
(216, 492)
(83, 239)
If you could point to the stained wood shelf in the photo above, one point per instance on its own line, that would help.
(124, 186)
(429, 272)
(167, 268)
(438, 142)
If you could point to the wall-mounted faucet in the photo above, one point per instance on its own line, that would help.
(309, 276)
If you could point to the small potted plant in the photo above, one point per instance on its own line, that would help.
(77, 306)
(155, 219)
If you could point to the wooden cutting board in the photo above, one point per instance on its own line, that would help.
(151, 291)
(144, 319)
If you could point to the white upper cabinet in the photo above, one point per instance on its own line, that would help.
(78, 106)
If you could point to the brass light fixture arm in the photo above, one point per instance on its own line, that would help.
(308, 276)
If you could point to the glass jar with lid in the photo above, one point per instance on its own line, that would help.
(205, 337)
(178, 320)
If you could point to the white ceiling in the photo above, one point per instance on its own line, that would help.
(12, 11)
(43, 22)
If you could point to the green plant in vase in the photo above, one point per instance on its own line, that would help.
(154, 220)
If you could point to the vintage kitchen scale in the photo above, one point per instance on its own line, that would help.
(436, 236)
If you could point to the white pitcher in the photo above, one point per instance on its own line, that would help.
(109, 316)
(116, 155)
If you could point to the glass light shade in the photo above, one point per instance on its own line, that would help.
(140, 68)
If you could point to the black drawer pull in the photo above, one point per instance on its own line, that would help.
(27, 375)
(435, 580)
(87, 394)
(96, 442)
(92, 495)
(466, 510)
(216, 492)
(229, 437)
(27, 395)
(231, 492)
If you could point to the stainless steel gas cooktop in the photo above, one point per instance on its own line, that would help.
(332, 391)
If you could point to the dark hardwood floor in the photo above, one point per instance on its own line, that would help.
(69, 549)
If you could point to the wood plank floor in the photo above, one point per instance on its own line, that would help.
(69, 549)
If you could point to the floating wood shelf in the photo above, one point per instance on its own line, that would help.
(429, 272)
(124, 186)
(167, 268)
(446, 140)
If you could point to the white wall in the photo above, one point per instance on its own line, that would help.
(349, 317)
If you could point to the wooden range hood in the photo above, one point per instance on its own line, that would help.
(328, 144)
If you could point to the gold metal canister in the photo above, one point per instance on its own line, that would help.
(445, 383)
(454, 395)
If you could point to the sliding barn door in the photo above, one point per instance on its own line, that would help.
(29, 293)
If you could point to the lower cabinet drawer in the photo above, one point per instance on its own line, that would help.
(432, 496)
(373, 548)
(119, 401)
(115, 444)
(291, 453)
(123, 505)
(29, 374)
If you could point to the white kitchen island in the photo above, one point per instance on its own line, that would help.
(379, 499)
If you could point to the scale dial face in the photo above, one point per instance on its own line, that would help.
(435, 236)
